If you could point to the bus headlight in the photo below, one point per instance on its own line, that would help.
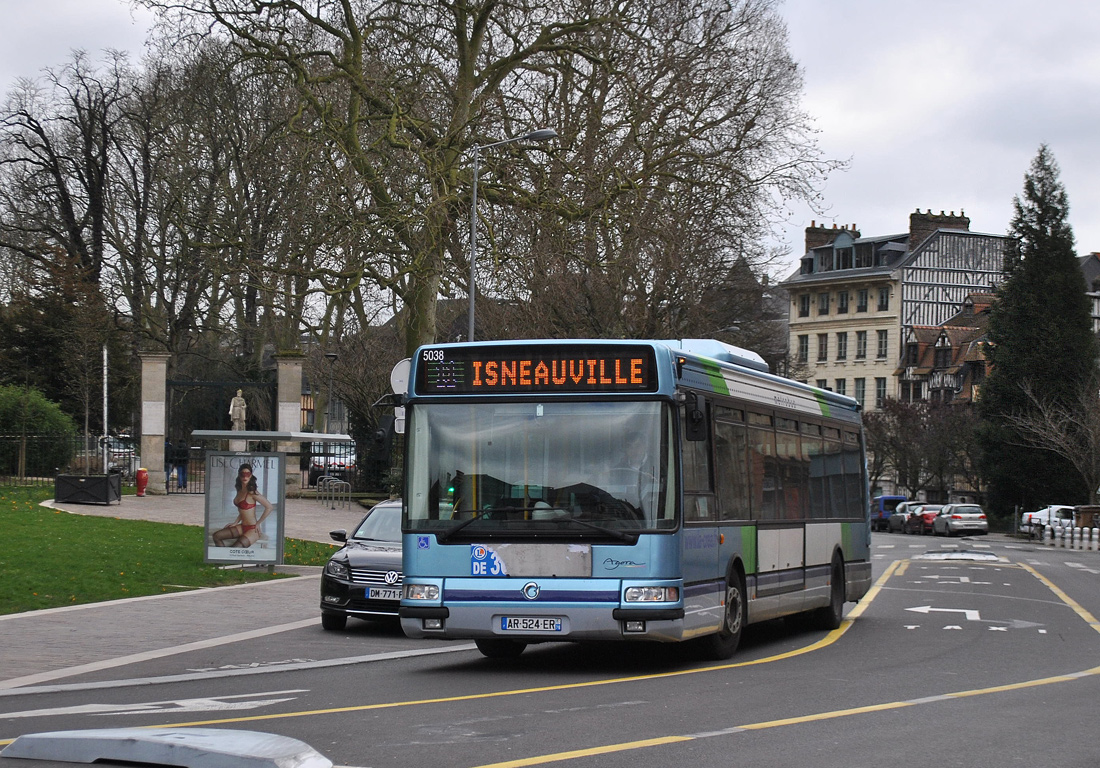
(421, 592)
(652, 594)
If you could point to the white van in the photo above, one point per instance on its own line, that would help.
(1058, 515)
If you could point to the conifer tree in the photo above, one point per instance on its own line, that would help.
(1041, 337)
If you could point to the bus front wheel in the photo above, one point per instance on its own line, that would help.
(723, 643)
(500, 649)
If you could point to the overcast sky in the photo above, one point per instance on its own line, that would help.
(937, 104)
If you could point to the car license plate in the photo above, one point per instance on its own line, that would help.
(530, 623)
(383, 593)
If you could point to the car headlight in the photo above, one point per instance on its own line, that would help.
(421, 592)
(652, 594)
(338, 569)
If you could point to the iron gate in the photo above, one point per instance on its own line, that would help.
(195, 405)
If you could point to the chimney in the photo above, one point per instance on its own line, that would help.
(818, 236)
(921, 225)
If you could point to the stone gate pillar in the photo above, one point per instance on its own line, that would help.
(154, 393)
(289, 415)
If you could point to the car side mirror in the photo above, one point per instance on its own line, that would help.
(339, 535)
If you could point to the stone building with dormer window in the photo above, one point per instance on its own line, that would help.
(856, 301)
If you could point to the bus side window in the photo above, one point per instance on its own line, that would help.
(731, 470)
(764, 468)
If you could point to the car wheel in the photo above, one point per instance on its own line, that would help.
(333, 621)
(723, 643)
(500, 649)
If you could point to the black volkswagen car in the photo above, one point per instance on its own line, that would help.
(363, 579)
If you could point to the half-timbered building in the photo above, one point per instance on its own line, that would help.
(860, 305)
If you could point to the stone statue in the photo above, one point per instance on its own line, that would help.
(237, 409)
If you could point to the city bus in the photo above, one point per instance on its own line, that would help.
(594, 490)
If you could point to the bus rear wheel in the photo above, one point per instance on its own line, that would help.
(832, 615)
(723, 643)
(500, 649)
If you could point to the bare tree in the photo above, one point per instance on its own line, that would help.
(1069, 429)
(676, 143)
(401, 89)
(679, 127)
(55, 164)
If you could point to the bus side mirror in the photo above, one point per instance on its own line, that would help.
(695, 417)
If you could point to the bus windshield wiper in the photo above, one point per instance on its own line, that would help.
(443, 536)
(629, 538)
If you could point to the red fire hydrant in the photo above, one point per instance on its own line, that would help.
(142, 479)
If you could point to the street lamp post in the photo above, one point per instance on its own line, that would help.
(543, 134)
(331, 357)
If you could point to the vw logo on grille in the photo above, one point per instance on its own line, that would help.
(531, 590)
(392, 577)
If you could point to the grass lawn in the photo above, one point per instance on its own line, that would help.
(50, 558)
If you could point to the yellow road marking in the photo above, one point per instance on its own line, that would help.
(828, 640)
(897, 567)
(1077, 607)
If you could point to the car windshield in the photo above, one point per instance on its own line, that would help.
(559, 468)
(382, 524)
(968, 510)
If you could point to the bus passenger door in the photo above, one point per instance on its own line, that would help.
(703, 589)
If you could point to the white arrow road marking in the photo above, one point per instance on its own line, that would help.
(954, 579)
(970, 615)
(213, 704)
(952, 626)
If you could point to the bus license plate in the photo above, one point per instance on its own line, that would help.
(530, 623)
(383, 593)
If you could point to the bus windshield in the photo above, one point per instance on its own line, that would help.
(529, 469)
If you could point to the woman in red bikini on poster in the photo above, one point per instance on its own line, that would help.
(245, 530)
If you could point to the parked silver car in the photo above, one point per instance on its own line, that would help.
(899, 520)
(960, 518)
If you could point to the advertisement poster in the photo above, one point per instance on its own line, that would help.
(244, 507)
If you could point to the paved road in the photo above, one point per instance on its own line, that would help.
(50, 645)
(976, 652)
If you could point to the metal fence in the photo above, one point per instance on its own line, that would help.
(39, 459)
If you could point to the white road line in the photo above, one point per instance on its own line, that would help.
(195, 676)
(96, 666)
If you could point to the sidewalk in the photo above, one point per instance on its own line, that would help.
(43, 646)
(306, 519)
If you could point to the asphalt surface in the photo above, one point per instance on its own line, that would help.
(43, 646)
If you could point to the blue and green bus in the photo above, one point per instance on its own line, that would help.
(625, 490)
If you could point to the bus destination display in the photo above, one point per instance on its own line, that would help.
(516, 370)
